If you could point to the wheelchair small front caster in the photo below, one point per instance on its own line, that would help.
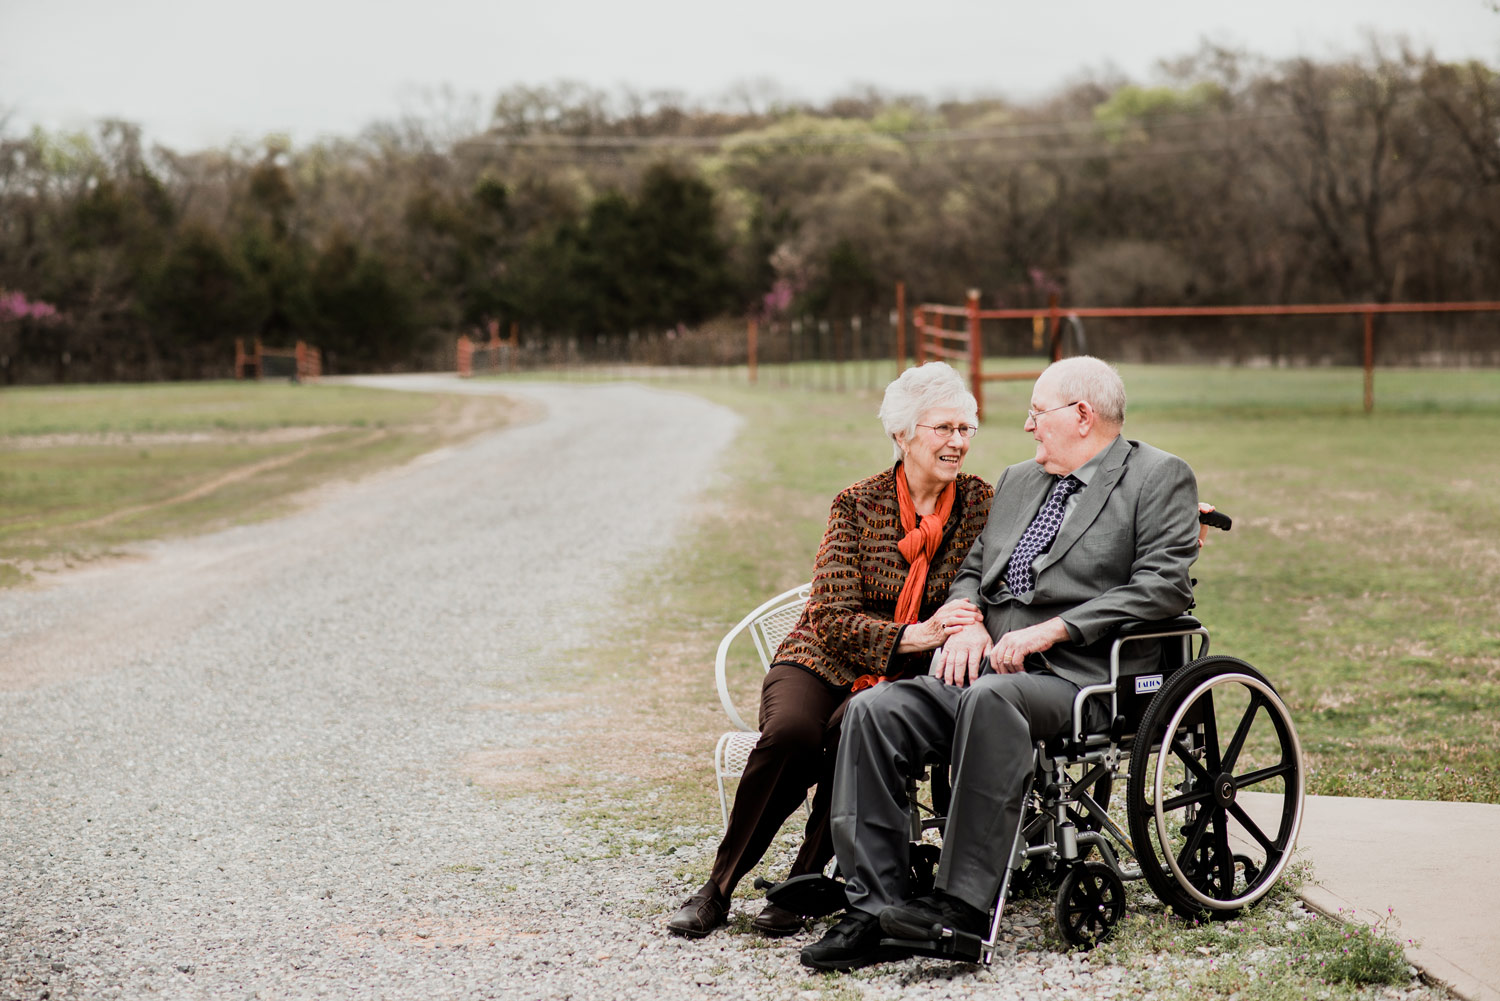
(1090, 902)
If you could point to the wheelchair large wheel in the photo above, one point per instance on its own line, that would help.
(1216, 732)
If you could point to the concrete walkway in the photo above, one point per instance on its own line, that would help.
(1433, 867)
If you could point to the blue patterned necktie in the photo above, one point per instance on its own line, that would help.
(1039, 535)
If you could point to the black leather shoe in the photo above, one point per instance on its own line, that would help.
(925, 918)
(850, 944)
(777, 922)
(700, 914)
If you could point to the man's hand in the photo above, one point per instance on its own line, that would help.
(962, 656)
(1009, 652)
(1203, 508)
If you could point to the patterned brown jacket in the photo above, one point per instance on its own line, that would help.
(847, 628)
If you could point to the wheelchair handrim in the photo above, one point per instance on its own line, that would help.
(1159, 779)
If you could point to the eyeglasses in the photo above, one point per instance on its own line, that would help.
(945, 431)
(1032, 415)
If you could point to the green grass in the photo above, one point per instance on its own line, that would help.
(199, 406)
(1277, 950)
(1360, 576)
(86, 470)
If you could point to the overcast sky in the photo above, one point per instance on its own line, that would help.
(205, 72)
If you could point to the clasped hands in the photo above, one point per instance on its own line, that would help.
(963, 656)
(945, 623)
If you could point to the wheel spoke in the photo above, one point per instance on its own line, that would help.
(1263, 774)
(1186, 799)
(1210, 731)
(1237, 742)
(1224, 856)
(1185, 754)
(1190, 848)
(1249, 824)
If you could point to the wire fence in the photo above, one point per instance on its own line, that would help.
(1320, 357)
(857, 352)
(802, 348)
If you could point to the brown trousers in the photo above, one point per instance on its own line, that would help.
(800, 715)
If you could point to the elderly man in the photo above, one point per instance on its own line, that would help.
(1098, 531)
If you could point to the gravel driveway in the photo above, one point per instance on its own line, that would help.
(232, 768)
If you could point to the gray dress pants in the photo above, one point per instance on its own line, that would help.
(987, 730)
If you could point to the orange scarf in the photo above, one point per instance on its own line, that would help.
(919, 546)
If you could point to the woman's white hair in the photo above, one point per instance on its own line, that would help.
(1088, 378)
(918, 390)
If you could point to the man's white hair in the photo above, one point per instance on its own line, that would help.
(918, 390)
(1088, 378)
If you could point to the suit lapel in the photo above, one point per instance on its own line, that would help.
(1090, 503)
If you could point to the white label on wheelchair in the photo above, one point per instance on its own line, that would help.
(1147, 683)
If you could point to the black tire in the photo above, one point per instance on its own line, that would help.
(1184, 803)
(1090, 903)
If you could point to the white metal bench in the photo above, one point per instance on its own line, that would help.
(767, 625)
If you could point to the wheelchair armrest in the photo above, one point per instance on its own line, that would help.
(1177, 624)
(1180, 625)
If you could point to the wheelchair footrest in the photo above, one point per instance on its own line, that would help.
(812, 896)
(955, 945)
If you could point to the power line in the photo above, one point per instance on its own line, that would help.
(1038, 130)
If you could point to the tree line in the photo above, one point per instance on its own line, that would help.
(580, 213)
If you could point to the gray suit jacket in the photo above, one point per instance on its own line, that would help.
(1123, 554)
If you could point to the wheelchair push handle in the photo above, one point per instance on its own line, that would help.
(1215, 519)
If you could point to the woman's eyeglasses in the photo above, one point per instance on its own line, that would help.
(945, 431)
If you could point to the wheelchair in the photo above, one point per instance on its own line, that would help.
(1213, 799)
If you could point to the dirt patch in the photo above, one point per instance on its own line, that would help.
(146, 439)
(209, 486)
(454, 419)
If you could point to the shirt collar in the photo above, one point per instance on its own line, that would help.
(1086, 472)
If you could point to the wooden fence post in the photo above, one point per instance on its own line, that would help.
(976, 350)
(1055, 324)
(751, 335)
(900, 328)
(465, 356)
(838, 354)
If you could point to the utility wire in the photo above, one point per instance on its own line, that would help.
(1038, 130)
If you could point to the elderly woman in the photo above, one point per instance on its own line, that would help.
(877, 611)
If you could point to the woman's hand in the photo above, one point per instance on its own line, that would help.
(934, 632)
